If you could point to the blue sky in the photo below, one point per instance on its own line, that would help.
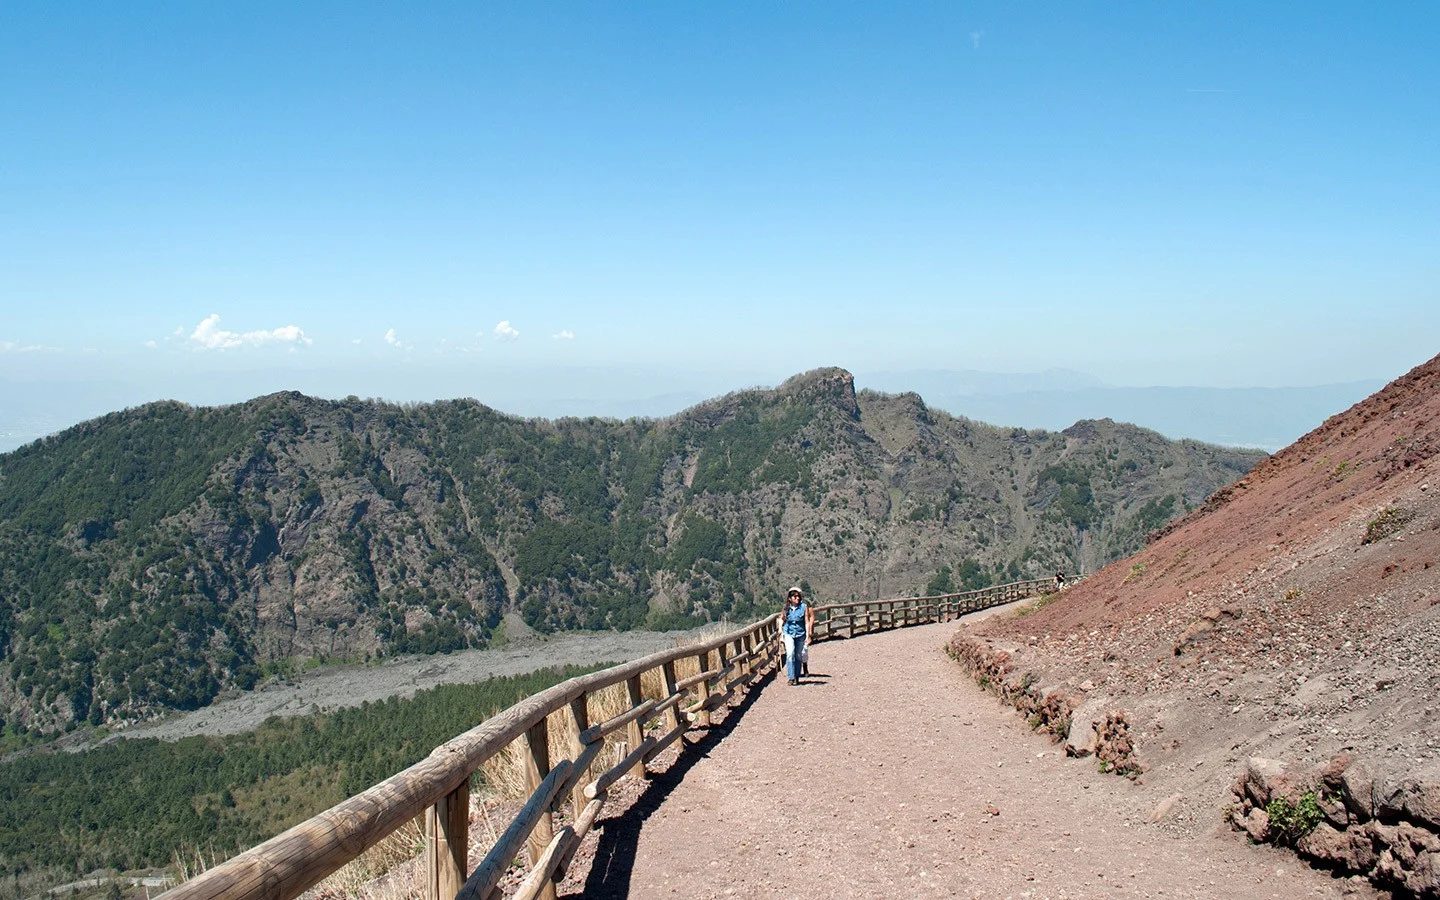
(411, 200)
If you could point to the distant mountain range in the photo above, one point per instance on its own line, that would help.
(1266, 418)
(151, 558)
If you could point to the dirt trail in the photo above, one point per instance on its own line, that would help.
(891, 774)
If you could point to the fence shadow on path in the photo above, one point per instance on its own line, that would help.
(614, 862)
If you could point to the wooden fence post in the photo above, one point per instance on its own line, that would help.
(672, 715)
(537, 766)
(725, 680)
(635, 730)
(447, 843)
(702, 717)
(580, 715)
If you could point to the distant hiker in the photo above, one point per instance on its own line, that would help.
(1059, 581)
(797, 624)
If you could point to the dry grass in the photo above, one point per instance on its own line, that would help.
(191, 861)
(364, 876)
(503, 775)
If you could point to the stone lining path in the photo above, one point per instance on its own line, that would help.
(891, 774)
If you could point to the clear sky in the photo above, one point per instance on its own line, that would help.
(1216, 194)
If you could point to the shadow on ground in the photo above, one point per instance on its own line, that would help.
(620, 836)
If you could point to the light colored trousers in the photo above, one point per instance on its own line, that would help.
(792, 665)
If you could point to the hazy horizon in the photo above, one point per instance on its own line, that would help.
(1263, 417)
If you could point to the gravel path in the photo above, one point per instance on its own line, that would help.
(891, 774)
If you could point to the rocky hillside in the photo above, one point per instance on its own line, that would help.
(1286, 634)
(155, 557)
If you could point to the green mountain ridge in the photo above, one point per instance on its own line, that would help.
(154, 557)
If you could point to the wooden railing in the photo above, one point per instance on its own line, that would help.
(847, 620)
(439, 785)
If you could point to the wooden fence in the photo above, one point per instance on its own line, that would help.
(847, 620)
(439, 785)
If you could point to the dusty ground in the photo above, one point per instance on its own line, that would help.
(891, 774)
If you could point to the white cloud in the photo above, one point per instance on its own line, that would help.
(564, 335)
(503, 332)
(975, 37)
(151, 344)
(208, 335)
(13, 347)
(394, 341)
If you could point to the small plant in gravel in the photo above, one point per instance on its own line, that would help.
(1386, 522)
(1062, 726)
(1292, 821)
(1136, 570)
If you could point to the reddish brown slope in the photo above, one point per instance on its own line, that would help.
(1295, 616)
(1373, 455)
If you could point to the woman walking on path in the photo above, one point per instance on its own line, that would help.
(797, 623)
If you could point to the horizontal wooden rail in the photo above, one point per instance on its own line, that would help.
(595, 732)
(288, 864)
(488, 873)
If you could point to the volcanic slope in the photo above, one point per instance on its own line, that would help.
(1295, 617)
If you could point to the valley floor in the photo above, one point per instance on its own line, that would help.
(331, 688)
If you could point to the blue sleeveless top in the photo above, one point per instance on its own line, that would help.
(795, 620)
